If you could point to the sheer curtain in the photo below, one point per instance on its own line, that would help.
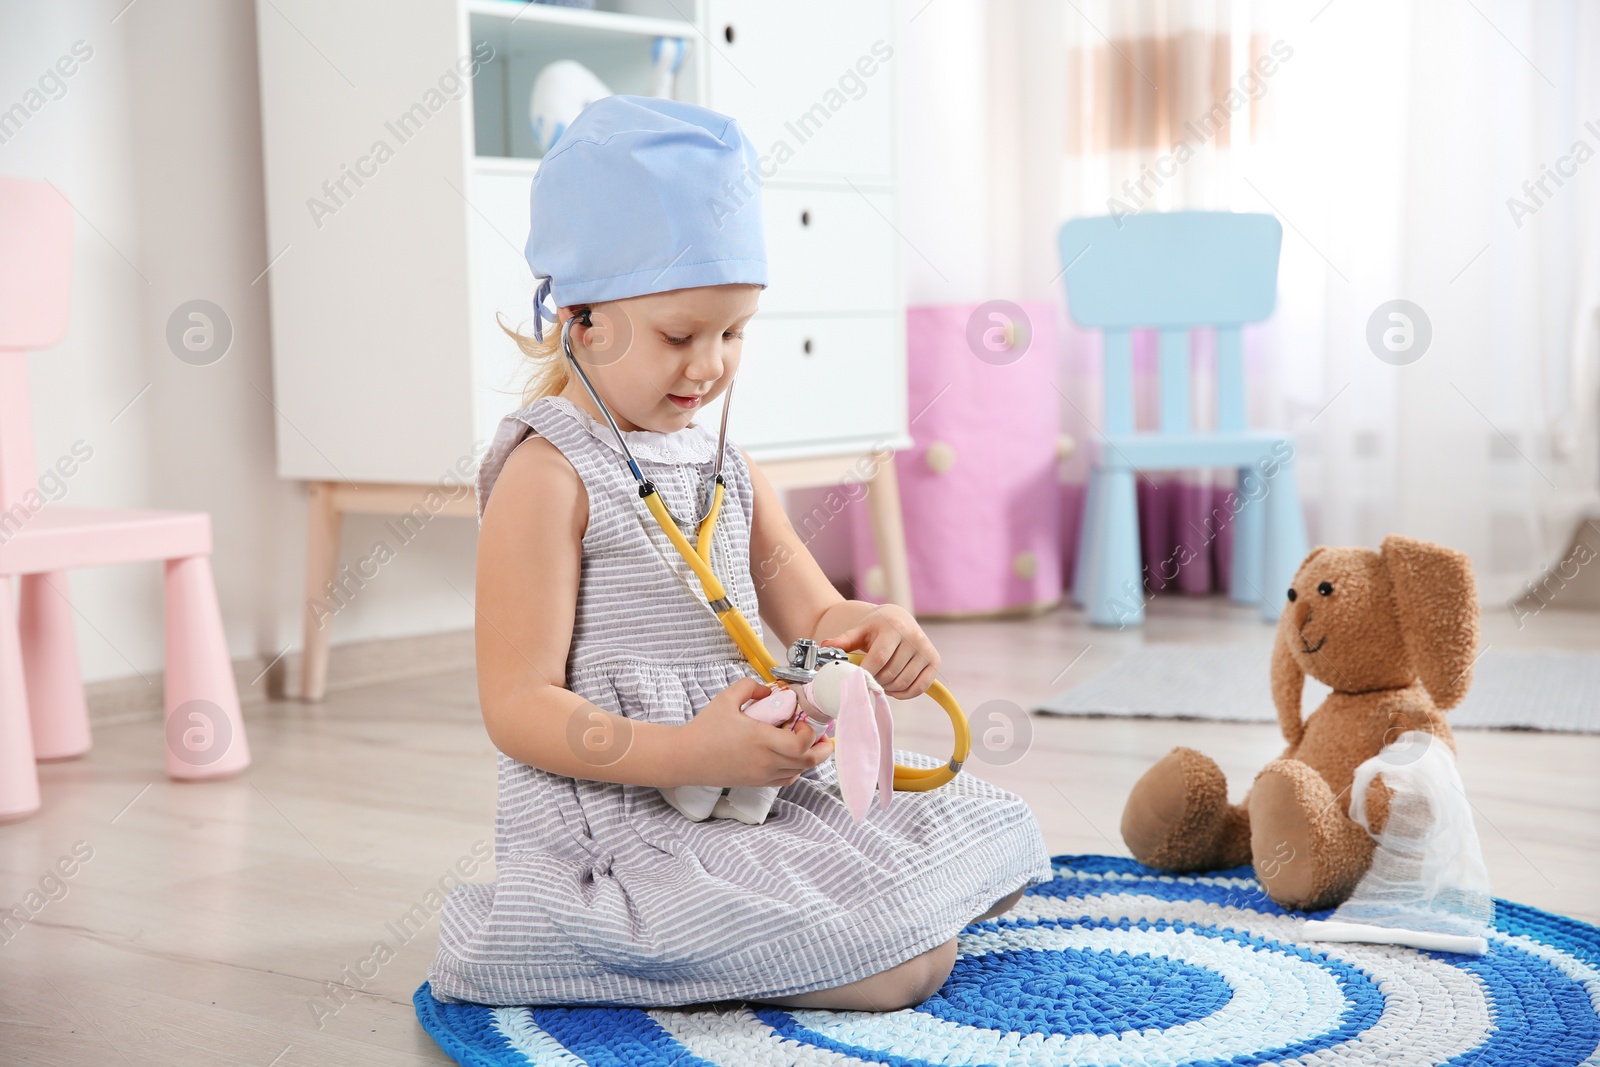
(1438, 153)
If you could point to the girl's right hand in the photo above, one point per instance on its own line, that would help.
(722, 745)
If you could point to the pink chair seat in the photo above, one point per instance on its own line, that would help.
(42, 710)
(56, 538)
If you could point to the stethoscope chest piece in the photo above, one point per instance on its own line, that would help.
(806, 657)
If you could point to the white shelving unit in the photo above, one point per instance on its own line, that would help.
(397, 204)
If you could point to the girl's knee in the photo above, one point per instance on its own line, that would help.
(1001, 906)
(928, 974)
(943, 963)
(904, 985)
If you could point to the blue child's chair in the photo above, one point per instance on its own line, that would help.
(1173, 271)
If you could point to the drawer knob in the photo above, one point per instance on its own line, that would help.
(805, 346)
(876, 582)
(939, 457)
(805, 218)
(1025, 565)
(727, 33)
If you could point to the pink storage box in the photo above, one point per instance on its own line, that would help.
(979, 490)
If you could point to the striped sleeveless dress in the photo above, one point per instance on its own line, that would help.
(606, 894)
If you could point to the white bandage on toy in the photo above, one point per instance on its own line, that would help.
(1427, 887)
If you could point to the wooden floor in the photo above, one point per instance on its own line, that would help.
(210, 919)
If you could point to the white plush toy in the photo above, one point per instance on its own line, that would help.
(561, 90)
(666, 57)
(566, 87)
(841, 698)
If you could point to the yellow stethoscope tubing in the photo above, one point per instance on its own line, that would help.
(906, 779)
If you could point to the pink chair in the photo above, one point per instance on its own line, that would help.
(42, 710)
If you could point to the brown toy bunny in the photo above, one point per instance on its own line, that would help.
(1394, 634)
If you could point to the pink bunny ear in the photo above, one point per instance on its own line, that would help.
(880, 711)
(857, 745)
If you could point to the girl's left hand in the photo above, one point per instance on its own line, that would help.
(898, 654)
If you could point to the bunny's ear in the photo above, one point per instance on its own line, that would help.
(1436, 598)
(880, 711)
(856, 744)
(1288, 681)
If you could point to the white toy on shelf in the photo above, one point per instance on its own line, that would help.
(666, 56)
(561, 90)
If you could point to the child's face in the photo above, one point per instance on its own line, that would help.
(645, 351)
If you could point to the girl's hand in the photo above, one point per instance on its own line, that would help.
(899, 655)
(722, 745)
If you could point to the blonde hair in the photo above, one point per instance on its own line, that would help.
(549, 373)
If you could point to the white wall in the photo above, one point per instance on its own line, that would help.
(943, 159)
(981, 106)
(157, 143)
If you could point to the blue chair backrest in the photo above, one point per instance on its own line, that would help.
(1172, 271)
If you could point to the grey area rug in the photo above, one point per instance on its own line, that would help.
(1511, 688)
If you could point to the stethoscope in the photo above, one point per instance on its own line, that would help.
(805, 655)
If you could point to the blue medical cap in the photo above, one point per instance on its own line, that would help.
(643, 195)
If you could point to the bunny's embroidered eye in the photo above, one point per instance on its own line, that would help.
(1291, 594)
(1325, 588)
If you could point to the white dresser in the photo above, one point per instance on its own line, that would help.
(398, 160)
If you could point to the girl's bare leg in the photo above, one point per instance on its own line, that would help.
(901, 986)
(1001, 906)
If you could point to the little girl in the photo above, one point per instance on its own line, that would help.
(603, 674)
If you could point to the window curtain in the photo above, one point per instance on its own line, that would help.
(1445, 155)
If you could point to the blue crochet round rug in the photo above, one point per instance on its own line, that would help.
(1113, 963)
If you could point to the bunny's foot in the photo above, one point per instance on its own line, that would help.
(1306, 851)
(1178, 818)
